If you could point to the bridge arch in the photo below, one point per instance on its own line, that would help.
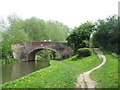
(32, 53)
(27, 51)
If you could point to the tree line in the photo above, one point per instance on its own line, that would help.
(104, 33)
(18, 30)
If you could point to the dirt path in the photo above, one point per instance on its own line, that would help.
(84, 80)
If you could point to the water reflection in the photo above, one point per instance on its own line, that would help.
(11, 72)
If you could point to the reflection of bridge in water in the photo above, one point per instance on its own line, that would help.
(27, 51)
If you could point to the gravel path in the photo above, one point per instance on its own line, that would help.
(84, 80)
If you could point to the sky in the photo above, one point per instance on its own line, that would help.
(70, 12)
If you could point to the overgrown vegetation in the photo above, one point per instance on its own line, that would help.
(107, 76)
(61, 74)
(107, 34)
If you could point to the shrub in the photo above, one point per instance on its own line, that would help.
(84, 52)
(10, 60)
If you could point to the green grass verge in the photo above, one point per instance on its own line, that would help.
(107, 75)
(61, 74)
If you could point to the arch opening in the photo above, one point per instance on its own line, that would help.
(43, 54)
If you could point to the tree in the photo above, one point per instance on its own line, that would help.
(33, 29)
(40, 30)
(12, 19)
(108, 34)
(57, 31)
(79, 38)
(5, 46)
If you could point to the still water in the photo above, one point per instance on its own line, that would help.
(12, 72)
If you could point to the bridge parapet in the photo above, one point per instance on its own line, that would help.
(27, 51)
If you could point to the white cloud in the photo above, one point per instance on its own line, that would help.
(70, 12)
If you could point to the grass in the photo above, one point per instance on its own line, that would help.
(61, 74)
(107, 75)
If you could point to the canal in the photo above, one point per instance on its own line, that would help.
(12, 72)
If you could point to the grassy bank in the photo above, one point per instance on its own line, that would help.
(61, 74)
(107, 75)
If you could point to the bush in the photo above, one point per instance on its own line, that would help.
(10, 60)
(84, 52)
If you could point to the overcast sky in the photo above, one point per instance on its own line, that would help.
(69, 12)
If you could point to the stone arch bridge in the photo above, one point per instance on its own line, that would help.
(27, 51)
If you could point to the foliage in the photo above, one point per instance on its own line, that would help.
(61, 74)
(33, 29)
(107, 76)
(19, 36)
(10, 38)
(12, 19)
(40, 30)
(79, 38)
(6, 46)
(38, 57)
(47, 54)
(3, 25)
(10, 60)
(108, 34)
(84, 52)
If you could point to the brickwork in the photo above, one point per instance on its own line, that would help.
(27, 51)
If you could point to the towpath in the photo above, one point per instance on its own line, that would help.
(84, 80)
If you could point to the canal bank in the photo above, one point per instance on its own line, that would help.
(13, 71)
(60, 74)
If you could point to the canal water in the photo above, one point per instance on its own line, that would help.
(12, 72)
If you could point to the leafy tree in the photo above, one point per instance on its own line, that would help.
(40, 30)
(6, 46)
(57, 31)
(19, 36)
(12, 19)
(33, 29)
(108, 34)
(79, 38)
(3, 25)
